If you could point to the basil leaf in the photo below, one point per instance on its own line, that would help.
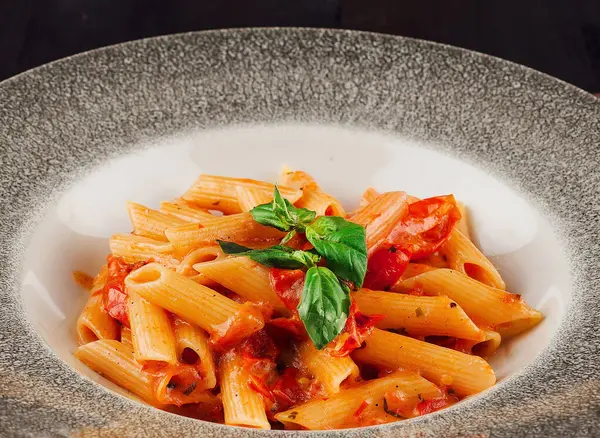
(281, 214)
(289, 236)
(275, 257)
(324, 306)
(232, 248)
(344, 245)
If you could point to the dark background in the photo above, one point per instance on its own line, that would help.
(559, 37)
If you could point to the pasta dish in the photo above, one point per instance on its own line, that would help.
(268, 305)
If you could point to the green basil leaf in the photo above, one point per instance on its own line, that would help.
(281, 214)
(324, 306)
(232, 248)
(289, 236)
(343, 244)
(265, 215)
(282, 257)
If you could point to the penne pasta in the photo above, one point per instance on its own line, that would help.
(367, 197)
(181, 385)
(463, 256)
(483, 303)
(489, 345)
(339, 409)
(126, 337)
(198, 256)
(115, 361)
(133, 248)
(241, 404)
(224, 319)
(189, 316)
(313, 197)
(94, 323)
(417, 315)
(328, 370)
(463, 224)
(237, 228)
(245, 277)
(151, 332)
(414, 269)
(380, 216)
(435, 260)
(220, 193)
(194, 338)
(150, 223)
(250, 197)
(185, 211)
(464, 373)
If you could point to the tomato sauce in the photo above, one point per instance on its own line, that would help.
(358, 328)
(288, 284)
(427, 226)
(281, 388)
(115, 295)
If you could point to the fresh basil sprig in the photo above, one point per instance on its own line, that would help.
(281, 214)
(325, 303)
(282, 257)
(324, 306)
(342, 243)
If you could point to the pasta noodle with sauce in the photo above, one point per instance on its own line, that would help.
(269, 306)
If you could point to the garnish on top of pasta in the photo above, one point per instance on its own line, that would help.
(285, 311)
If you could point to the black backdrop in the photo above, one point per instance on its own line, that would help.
(559, 37)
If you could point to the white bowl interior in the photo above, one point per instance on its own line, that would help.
(74, 233)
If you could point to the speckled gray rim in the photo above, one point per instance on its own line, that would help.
(540, 134)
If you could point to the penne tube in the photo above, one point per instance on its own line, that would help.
(133, 248)
(463, 256)
(185, 212)
(435, 260)
(294, 179)
(115, 361)
(414, 269)
(245, 277)
(418, 315)
(203, 280)
(489, 345)
(463, 224)
(180, 385)
(225, 320)
(195, 339)
(339, 409)
(126, 337)
(151, 332)
(199, 256)
(150, 223)
(241, 404)
(367, 197)
(220, 192)
(328, 370)
(94, 323)
(313, 197)
(380, 216)
(484, 304)
(250, 197)
(466, 374)
(236, 228)
(512, 328)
